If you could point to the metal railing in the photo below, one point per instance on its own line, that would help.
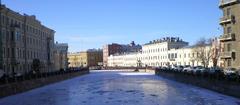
(226, 55)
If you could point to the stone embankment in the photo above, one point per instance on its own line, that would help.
(26, 85)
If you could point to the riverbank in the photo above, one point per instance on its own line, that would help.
(23, 86)
(220, 85)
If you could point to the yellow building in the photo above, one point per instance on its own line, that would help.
(77, 59)
(88, 58)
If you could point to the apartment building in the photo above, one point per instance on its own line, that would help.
(60, 56)
(23, 39)
(123, 60)
(155, 53)
(89, 58)
(230, 40)
(159, 53)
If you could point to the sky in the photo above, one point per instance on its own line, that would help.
(87, 24)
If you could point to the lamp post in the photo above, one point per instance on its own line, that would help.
(138, 65)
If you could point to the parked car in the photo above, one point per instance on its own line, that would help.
(215, 70)
(179, 68)
(174, 68)
(186, 68)
(230, 71)
(189, 69)
(164, 68)
(198, 70)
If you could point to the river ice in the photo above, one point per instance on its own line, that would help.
(119, 88)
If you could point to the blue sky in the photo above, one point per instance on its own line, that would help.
(85, 24)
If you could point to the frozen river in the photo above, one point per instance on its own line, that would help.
(119, 88)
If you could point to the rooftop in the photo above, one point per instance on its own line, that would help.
(166, 39)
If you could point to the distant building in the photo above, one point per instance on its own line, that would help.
(230, 40)
(123, 60)
(155, 53)
(60, 56)
(114, 48)
(24, 39)
(108, 50)
(132, 47)
(78, 59)
(89, 58)
(160, 53)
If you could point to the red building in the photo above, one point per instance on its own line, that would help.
(109, 50)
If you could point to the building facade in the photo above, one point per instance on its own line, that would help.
(95, 57)
(161, 53)
(89, 58)
(60, 56)
(114, 48)
(78, 59)
(230, 40)
(109, 50)
(155, 53)
(123, 60)
(24, 39)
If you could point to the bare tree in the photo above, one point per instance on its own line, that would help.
(203, 50)
(215, 51)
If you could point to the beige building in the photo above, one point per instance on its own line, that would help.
(230, 40)
(88, 58)
(24, 38)
(60, 56)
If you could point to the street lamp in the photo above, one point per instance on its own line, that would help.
(139, 64)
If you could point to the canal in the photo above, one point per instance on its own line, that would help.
(119, 88)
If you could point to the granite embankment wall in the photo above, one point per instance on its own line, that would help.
(22, 86)
(220, 85)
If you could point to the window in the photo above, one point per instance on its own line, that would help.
(3, 34)
(8, 36)
(8, 51)
(17, 36)
(229, 63)
(172, 56)
(13, 53)
(228, 11)
(4, 52)
(229, 47)
(229, 30)
(12, 36)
